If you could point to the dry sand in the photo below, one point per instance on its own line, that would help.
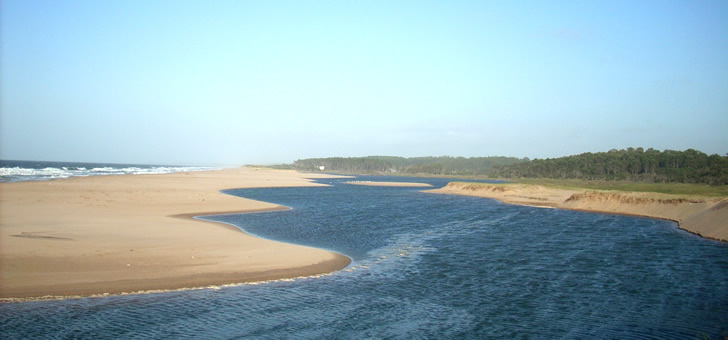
(115, 234)
(705, 216)
(389, 184)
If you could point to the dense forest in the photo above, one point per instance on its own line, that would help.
(632, 164)
(689, 166)
(459, 166)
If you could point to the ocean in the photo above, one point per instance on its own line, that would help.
(430, 266)
(16, 171)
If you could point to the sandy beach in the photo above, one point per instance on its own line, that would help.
(119, 234)
(389, 184)
(704, 216)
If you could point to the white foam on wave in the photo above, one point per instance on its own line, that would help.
(16, 174)
(28, 172)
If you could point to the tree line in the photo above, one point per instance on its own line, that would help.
(633, 164)
(443, 165)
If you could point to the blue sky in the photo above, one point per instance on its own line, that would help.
(239, 82)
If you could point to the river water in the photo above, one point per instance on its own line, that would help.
(430, 266)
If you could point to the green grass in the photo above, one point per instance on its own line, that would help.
(665, 188)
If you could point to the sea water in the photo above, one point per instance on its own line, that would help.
(16, 171)
(430, 266)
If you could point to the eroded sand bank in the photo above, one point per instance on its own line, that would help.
(114, 234)
(705, 216)
(389, 184)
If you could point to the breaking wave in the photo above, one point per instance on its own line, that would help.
(17, 171)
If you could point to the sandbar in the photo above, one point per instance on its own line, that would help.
(86, 236)
(389, 184)
(704, 216)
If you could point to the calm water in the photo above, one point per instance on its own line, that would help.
(431, 266)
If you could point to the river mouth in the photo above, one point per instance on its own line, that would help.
(433, 266)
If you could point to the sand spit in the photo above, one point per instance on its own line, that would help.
(389, 184)
(704, 216)
(87, 236)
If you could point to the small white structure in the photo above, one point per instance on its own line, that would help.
(322, 168)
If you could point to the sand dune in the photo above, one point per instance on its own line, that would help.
(389, 184)
(705, 216)
(114, 234)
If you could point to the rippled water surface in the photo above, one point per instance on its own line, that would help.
(431, 266)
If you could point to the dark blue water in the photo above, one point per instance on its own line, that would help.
(431, 266)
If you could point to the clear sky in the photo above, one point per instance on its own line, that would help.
(239, 82)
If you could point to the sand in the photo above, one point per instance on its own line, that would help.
(389, 184)
(704, 216)
(86, 236)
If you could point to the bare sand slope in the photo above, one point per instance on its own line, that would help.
(114, 234)
(705, 216)
(389, 184)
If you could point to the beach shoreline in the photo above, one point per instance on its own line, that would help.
(704, 216)
(99, 235)
(389, 184)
